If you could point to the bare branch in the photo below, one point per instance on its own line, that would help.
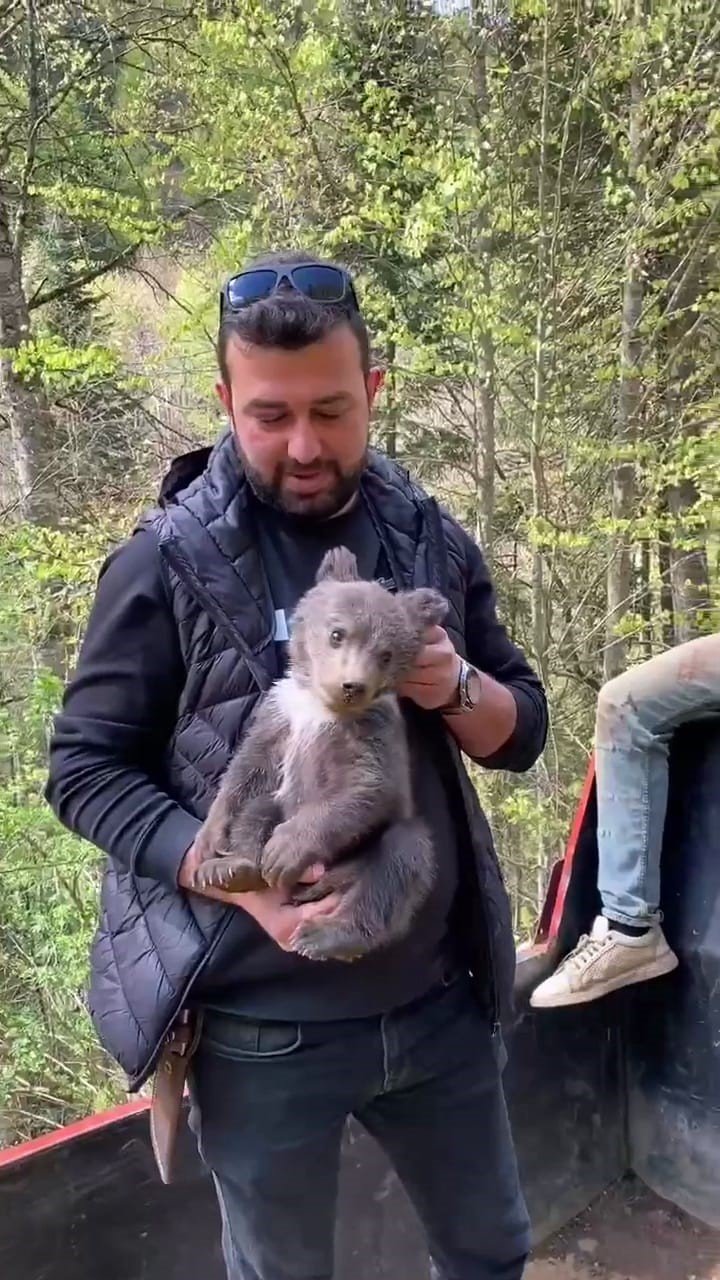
(121, 259)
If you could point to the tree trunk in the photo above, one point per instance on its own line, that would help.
(620, 573)
(644, 595)
(25, 421)
(484, 440)
(479, 59)
(539, 599)
(486, 398)
(666, 594)
(689, 575)
(390, 433)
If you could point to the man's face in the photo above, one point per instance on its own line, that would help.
(301, 420)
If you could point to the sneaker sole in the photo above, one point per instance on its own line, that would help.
(655, 969)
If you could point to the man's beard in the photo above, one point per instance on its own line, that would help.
(320, 506)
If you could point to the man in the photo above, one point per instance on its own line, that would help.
(637, 715)
(188, 628)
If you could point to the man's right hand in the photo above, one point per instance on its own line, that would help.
(271, 908)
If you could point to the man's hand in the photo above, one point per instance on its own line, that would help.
(271, 908)
(434, 678)
(433, 683)
(279, 917)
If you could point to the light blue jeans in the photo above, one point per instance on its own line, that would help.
(636, 716)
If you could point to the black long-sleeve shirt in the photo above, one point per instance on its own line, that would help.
(120, 707)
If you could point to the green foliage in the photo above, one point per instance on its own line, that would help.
(51, 1070)
(61, 368)
(489, 188)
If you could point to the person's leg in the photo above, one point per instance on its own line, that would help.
(269, 1102)
(637, 715)
(442, 1120)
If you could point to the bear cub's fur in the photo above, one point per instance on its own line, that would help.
(323, 772)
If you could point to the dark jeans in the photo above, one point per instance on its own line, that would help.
(270, 1101)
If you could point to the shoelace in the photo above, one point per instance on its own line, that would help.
(587, 948)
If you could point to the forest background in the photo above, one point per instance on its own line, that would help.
(528, 193)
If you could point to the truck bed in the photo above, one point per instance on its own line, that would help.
(607, 1100)
(629, 1233)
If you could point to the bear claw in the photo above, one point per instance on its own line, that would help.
(234, 875)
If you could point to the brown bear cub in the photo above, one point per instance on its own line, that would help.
(323, 773)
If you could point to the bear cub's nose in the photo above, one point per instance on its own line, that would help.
(353, 689)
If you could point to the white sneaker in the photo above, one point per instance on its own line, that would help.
(603, 961)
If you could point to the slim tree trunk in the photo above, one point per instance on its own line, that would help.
(620, 575)
(25, 420)
(486, 399)
(485, 440)
(390, 433)
(666, 594)
(644, 595)
(689, 575)
(539, 600)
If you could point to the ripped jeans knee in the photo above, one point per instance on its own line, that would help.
(654, 698)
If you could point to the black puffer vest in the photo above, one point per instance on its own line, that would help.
(154, 943)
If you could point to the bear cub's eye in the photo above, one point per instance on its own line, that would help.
(385, 658)
(337, 635)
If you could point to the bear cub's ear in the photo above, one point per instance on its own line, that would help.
(338, 565)
(425, 607)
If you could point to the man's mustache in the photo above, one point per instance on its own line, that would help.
(310, 469)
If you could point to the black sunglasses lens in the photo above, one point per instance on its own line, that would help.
(249, 287)
(323, 284)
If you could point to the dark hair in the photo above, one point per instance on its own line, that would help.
(288, 320)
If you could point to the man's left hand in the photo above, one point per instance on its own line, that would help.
(433, 681)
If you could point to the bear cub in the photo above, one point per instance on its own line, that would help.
(323, 772)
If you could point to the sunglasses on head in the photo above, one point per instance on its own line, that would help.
(314, 280)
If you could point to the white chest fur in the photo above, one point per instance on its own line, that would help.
(306, 717)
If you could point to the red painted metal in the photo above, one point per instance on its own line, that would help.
(542, 932)
(65, 1133)
(557, 892)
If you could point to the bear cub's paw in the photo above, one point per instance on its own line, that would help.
(329, 941)
(231, 873)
